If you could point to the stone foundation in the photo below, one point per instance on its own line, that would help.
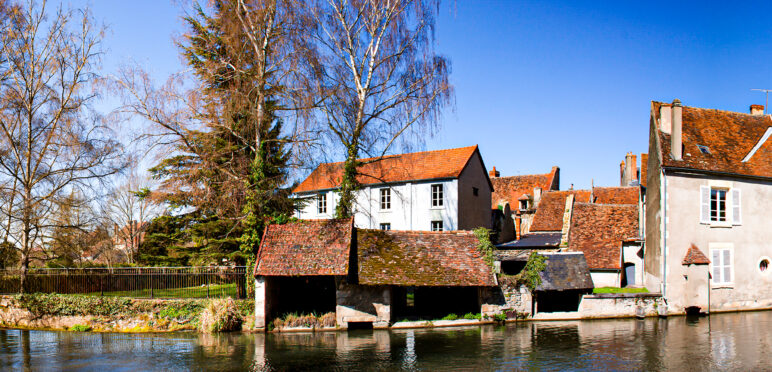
(358, 303)
(513, 300)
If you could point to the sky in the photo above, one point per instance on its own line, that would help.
(538, 83)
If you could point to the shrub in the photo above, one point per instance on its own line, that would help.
(472, 316)
(500, 317)
(220, 316)
(80, 328)
(304, 320)
(450, 317)
(328, 320)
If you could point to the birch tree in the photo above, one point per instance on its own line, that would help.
(51, 141)
(381, 79)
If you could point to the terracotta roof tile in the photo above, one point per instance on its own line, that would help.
(310, 247)
(598, 230)
(413, 258)
(694, 256)
(729, 137)
(514, 188)
(616, 195)
(549, 213)
(393, 168)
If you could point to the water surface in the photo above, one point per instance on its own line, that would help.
(738, 341)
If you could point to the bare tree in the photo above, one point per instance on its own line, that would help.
(381, 78)
(52, 143)
(128, 211)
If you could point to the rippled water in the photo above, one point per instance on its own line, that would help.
(739, 341)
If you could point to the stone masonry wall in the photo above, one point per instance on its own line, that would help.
(509, 298)
(360, 303)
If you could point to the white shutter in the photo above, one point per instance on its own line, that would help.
(716, 262)
(704, 204)
(727, 267)
(736, 215)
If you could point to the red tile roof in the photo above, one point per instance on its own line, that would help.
(729, 137)
(616, 195)
(598, 230)
(694, 256)
(514, 188)
(416, 166)
(311, 247)
(415, 258)
(549, 213)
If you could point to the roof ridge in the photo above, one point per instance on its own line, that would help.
(398, 155)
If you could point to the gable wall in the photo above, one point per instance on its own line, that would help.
(474, 211)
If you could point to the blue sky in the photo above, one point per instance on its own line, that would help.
(545, 83)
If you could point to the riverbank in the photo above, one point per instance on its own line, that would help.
(108, 314)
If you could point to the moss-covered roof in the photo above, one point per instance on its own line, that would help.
(416, 258)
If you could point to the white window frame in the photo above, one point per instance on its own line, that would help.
(385, 201)
(321, 203)
(441, 226)
(732, 204)
(721, 248)
(438, 196)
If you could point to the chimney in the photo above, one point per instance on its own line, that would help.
(757, 109)
(494, 173)
(665, 115)
(676, 150)
(536, 195)
(622, 173)
(632, 167)
(566, 221)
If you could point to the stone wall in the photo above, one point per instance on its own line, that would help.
(620, 305)
(359, 303)
(509, 298)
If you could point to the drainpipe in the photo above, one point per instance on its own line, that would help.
(664, 234)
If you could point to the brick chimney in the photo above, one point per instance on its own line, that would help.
(757, 109)
(494, 173)
(676, 142)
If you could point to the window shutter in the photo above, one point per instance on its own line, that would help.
(736, 215)
(716, 262)
(704, 204)
(727, 267)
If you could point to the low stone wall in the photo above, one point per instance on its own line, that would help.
(509, 298)
(618, 305)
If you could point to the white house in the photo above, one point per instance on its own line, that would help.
(709, 208)
(439, 190)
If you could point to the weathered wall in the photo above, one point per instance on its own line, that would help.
(359, 303)
(261, 305)
(611, 306)
(474, 210)
(749, 242)
(506, 298)
(653, 220)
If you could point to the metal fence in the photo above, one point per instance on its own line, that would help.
(137, 282)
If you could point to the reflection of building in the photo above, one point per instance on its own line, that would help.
(441, 190)
(709, 198)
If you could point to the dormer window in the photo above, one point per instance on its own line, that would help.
(524, 204)
(704, 149)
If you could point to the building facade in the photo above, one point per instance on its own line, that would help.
(709, 208)
(440, 190)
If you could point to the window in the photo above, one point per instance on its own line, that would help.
(717, 205)
(720, 205)
(436, 225)
(721, 265)
(704, 149)
(321, 203)
(475, 191)
(437, 196)
(385, 199)
(385, 226)
(764, 265)
(524, 204)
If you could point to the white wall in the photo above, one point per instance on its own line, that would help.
(630, 254)
(750, 241)
(410, 206)
(605, 278)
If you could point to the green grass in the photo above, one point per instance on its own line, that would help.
(619, 290)
(215, 290)
(80, 328)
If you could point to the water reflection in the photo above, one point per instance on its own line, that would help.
(720, 342)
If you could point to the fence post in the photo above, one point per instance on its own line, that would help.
(206, 275)
(101, 286)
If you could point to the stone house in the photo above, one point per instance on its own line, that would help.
(368, 276)
(708, 203)
(521, 194)
(441, 190)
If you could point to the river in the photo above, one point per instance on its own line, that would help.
(735, 341)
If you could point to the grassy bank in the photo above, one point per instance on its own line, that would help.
(115, 314)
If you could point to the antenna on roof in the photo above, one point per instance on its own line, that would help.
(766, 102)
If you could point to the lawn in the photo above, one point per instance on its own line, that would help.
(619, 290)
(215, 290)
